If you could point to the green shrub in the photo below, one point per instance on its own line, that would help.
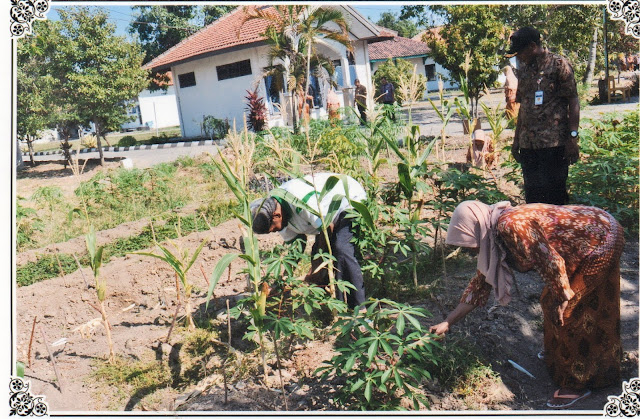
(606, 176)
(382, 356)
(27, 223)
(459, 366)
(214, 128)
(44, 268)
(127, 141)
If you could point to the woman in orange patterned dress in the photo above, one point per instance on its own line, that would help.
(576, 250)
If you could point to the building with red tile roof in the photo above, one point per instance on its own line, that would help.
(416, 52)
(214, 68)
(397, 47)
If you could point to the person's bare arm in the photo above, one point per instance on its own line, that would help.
(455, 316)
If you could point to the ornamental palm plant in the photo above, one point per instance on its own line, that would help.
(293, 32)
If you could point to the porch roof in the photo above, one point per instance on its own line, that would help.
(397, 47)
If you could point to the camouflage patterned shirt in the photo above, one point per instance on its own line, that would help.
(544, 125)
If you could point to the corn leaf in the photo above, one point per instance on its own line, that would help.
(224, 262)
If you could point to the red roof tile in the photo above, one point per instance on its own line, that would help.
(226, 32)
(397, 47)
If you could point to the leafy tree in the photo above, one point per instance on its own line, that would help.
(161, 27)
(405, 27)
(106, 72)
(213, 13)
(574, 31)
(473, 30)
(44, 96)
(34, 92)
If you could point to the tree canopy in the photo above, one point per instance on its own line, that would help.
(470, 45)
(405, 27)
(80, 72)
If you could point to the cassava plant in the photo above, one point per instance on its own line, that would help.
(95, 261)
(381, 356)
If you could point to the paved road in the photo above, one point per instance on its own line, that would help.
(141, 158)
(422, 115)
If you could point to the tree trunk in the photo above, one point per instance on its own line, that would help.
(99, 142)
(591, 64)
(66, 147)
(31, 150)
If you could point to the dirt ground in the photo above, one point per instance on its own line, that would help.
(141, 301)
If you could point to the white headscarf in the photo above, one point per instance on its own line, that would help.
(511, 81)
(473, 225)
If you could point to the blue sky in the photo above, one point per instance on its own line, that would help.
(122, 15)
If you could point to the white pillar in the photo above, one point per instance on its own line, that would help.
(346, 75)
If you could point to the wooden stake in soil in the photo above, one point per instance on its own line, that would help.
(228, 324)
(64, 278)
(53, 360)
(204, 274)
(80, 269)
(284, 394)
(173, 322)
(33, 329)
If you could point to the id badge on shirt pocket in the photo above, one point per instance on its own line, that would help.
(538, 97)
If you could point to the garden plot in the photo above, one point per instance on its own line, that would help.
(196, 370)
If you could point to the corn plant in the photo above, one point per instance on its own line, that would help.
(381, 353)
(496, 119)
(95, 261)
(412, 168)
(180, 261)
(259, 288)
(445, 112)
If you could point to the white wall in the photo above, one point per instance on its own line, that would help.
(433, 84)
(166, 108)
(226, 98)
(220, 99)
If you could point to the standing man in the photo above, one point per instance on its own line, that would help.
(388, 95)
(274, 213)
(546, 137)
(361, 101)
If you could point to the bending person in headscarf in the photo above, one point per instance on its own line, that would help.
(576, 250)
(294, 222)
(510, 88)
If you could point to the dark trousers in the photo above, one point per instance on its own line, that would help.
(346, 266)
(363, 113)
(545, 173)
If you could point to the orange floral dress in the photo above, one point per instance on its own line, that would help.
(576, 250)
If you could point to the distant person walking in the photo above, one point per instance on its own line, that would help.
(361, 101)
(546, 137)
(388, 95)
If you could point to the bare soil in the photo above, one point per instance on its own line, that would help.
(141, 301)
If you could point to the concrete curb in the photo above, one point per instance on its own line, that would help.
(137, 147)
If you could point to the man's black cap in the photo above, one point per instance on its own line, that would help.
(521, 39)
